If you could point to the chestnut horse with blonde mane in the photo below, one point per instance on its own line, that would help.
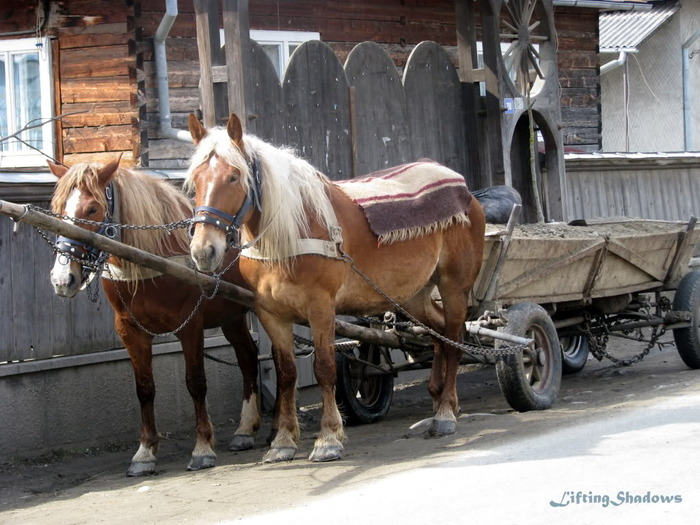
(146, 303)
(306, 244)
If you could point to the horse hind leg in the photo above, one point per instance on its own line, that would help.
(237, 333)
(447, 320)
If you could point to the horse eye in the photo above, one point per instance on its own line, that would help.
(233, 178)
(92, 210)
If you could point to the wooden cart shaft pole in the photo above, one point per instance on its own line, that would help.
(207, 283)
(142, 258)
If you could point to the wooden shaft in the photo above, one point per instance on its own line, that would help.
(207, 283)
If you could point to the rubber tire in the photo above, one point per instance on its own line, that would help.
(687, 298)
(522, 394)
(574, 353)
(356, 410)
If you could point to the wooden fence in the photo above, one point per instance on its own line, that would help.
(352, 120)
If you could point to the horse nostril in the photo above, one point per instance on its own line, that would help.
(71, 280)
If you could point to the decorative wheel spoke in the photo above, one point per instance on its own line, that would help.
(525, 35)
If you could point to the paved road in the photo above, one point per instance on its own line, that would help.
(638, 466)
(618, 444)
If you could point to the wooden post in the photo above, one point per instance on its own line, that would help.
(238, 60)
(490, 17)
(212, 67)
(470, 76)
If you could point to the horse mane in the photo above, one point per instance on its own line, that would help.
(293, 191)
(143, 200)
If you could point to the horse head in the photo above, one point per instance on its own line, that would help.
(83, 192)
(225, 196)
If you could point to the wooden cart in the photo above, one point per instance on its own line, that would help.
(566, 288)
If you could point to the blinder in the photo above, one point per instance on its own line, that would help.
(89, 256)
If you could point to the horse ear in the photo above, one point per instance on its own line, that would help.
(196, 129)
(58, 170)
(107, 171)
(235, 130)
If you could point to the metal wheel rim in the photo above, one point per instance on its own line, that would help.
(570, 346)
(536, 359)
(367, 389)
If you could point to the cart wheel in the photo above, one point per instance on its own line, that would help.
(530, 380)
(574, 353)
(362, 397)
(687, 299)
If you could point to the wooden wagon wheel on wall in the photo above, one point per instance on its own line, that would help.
(525, 31)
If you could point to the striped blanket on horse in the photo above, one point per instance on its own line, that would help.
(410, 200)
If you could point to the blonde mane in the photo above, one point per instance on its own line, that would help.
(293, 192)
(143, 200)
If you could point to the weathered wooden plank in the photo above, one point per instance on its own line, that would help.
(98, 114)
(111, 138)
(267, 111)
(435, 112)
(93, 40)
(109, 89)
(7, 326)
(318, 117)
(384, 137)
(94, 62)
(127, 158)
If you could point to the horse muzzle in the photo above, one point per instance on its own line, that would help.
(205, 254)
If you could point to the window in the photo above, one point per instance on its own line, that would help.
(279, 45)
(25, 102)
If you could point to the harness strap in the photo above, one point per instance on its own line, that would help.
(304, 247)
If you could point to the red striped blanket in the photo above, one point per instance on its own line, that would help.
(410, 200)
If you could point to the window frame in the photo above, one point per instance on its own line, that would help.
(284, 39)
(29, 158)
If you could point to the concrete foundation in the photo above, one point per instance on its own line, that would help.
(69, 406)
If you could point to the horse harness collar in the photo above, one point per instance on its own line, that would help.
(230, 224)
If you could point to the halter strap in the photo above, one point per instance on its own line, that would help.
(230, 224)
(85, 252)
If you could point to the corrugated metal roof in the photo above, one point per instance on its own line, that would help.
(628, 29)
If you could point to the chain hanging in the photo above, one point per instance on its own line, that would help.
(471, 349)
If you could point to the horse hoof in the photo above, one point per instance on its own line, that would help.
(201, 462)
(329, 453)
(275, 455)
(241, 442)
(442, 427)
(141, 468)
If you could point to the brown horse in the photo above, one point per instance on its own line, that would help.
(146, 303)
(307, 245)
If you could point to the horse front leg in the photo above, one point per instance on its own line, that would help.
(286, 441)
(237, 333)
(138, 345)
(192, 340)
(329, 444)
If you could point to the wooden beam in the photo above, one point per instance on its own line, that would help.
(237, 51)
(207, 283)
(204, 46)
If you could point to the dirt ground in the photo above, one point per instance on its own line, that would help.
(89, 486)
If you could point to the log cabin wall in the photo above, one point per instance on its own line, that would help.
(103, 64)
(579, 77)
